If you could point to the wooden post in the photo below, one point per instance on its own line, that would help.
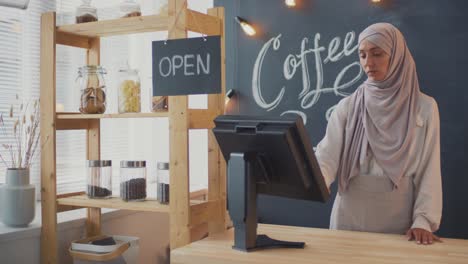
(178, 142)
(93, 137)
(48, 169)
(216, 163)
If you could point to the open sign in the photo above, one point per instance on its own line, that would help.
(187, 66)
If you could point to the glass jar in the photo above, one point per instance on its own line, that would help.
(86, 12)
(99, 179)
(130, 8)
(163, 182)
(129, 91)
(159, 103)
(92, 87)
(133, 180)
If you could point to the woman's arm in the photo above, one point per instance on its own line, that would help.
(427, 210)
(328, 151)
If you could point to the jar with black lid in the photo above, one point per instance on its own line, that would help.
(99, 178)
(163, 182)
(133, 180)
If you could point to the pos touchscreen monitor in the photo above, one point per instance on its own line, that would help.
(270, 156)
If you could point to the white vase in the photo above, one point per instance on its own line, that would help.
(17, 199)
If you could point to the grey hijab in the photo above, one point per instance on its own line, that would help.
(382, 114)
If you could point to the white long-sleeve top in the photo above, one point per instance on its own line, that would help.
(424, 157)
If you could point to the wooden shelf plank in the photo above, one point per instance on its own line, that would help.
(97, 116)
(81, 200)
(68, 39)
(121, 26)
(71, 124)
(202, 23)
(114, 203)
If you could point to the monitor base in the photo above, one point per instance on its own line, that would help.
(265, 242)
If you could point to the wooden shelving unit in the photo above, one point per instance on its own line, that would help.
(114, 203)
(77, 116)
(191, 217)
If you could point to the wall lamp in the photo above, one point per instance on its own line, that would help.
(229, 95)
(246, 27)
(290, 3)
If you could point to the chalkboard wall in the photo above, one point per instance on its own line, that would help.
(271, 80)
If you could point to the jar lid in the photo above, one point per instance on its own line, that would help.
(132, 164)
(86, 7)
(92, 69)
(99, 163)
(127, 69)
(163, 165)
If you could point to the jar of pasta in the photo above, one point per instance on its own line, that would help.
(129, 91)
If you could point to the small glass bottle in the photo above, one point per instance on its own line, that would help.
(130, 8)
(133, 180)
(129, 91)
(92, 86)
(86, 12)
(99, 179)
(163, 182)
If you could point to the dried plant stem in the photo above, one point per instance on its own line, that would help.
(20, 136)
(30, 149)
(25, 135)
(13, 156)
(3, 160)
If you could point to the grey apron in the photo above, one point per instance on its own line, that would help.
(372, 204)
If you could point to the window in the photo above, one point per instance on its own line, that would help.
(19, 65)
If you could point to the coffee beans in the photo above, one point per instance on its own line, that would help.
(85, 18)
(163, 193)
(133, 14)
(98, 192)
(134, 189)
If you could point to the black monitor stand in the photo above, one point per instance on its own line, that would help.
(245, 170)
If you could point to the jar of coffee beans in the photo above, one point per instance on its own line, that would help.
(99, 178)
(86, 13)
(130, 8)
(163, 182)
(133, 180)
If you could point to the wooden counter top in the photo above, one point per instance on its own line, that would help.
(324, 246)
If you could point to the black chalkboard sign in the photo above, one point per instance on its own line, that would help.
(187, 66)
(303, 61)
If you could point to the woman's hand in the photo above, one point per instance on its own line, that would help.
(422, 236)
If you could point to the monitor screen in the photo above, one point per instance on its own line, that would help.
(286, 165)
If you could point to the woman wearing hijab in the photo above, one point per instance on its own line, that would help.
(382, 143)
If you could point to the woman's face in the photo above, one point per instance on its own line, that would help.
(374, 60)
